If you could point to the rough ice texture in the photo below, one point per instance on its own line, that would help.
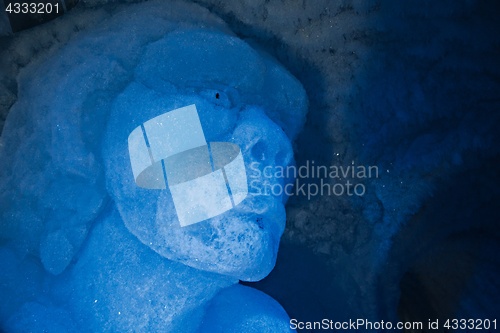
(100, 252)
(390, 83)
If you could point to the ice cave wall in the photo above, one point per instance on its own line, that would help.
(412, 88)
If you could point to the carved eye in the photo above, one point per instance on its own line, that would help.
(221, 97)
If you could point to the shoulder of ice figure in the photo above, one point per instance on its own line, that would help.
(241, 309)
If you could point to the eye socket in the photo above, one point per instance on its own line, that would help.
(221, 96)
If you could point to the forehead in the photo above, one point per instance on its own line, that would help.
(194, 58)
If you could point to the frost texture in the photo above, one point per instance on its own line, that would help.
(101, 253)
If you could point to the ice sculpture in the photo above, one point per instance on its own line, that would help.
(83, 248)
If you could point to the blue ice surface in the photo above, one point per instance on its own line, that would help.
(82, 248)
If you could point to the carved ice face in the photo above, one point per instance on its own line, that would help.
(241, 242)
